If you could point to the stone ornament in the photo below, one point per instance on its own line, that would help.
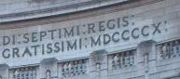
(122, 59)
(48, 74)
(169, 49)
(24, 73)
(74, 68)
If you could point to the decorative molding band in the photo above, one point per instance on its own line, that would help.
(57, 10)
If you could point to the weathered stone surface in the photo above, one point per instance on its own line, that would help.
(136, 41)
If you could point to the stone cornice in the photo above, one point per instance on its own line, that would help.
(57, 10)
(74, 15)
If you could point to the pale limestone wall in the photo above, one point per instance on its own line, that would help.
(167, 12)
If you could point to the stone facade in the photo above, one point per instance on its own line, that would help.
(134, 40)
